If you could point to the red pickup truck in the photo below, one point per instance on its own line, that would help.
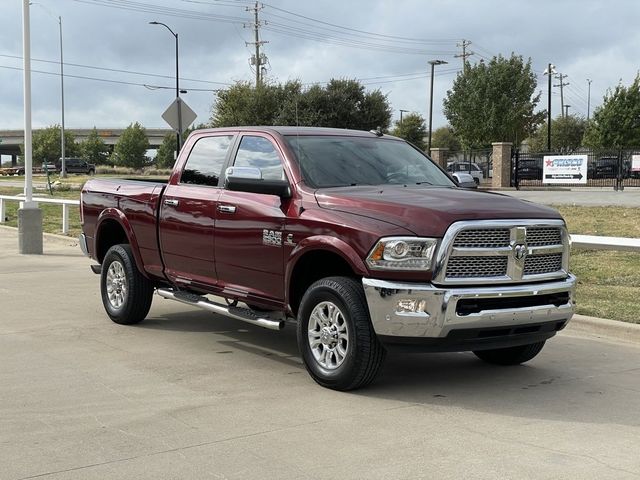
(357, 238)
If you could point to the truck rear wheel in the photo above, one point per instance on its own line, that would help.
(336, 340)
(510, 355)
(126, 293)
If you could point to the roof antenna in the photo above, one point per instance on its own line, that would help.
(377, 132)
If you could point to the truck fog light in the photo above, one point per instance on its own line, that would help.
(407, 305)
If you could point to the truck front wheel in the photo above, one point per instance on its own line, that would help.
(510, 355)
(337, 342)
(126, 293)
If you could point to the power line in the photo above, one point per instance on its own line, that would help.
(464, 54)
(257, 60)
(116, 70)
(105, 80)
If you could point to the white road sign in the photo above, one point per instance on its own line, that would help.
(564, 169)
(170, 115)
(635, 163)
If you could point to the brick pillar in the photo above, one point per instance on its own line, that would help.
(439, 155)
(501, 164)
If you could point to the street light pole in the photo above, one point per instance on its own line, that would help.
(401, 112)
(433, 63)
(63, 166)
(589, 99)
(549, 73)
(179, 134)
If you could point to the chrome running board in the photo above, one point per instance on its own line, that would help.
(237, 313)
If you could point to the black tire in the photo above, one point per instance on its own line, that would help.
(510, 355)
(138, 292)
(92, 172)
(364, 353)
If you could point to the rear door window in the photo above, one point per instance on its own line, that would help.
(206, 160)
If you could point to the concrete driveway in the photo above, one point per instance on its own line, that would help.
(187, 394)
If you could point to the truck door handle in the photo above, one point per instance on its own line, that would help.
(171, 202)
(227, 208)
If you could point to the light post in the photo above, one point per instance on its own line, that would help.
(589, 99)
(179, 135)
(63, 166)
(433, 63)
(549, 72)
(401, 112)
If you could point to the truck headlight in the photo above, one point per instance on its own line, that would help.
(402, 253)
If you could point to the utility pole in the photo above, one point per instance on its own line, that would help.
(588, 98)
(549, 73)
(560, 76)
(566, 110)
(257, 60)
(464, 54)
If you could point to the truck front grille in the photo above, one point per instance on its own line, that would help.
(476, 267)
(503, 251)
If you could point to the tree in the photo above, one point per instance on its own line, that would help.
(566, 135)
(494, 102)
(165, 157)
(413, 129)
(340, 104)
(444, 137)
(93, 149)
(46, 145)
(616, 123)
(132, 146)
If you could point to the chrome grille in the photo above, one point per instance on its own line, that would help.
(538, 264)
(502, 251)
(483, 238)
(540, 236)
(477, 267)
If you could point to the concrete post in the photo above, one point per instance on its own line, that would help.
(30, 231)
(439, 155)
(501, 164)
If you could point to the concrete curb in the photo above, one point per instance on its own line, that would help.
(600, 327)
(48, 238)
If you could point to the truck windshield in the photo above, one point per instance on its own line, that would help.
(335, 161)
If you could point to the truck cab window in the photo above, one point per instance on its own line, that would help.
(206, 160)
(260, 153)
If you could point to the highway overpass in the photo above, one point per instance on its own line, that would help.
(10, 140)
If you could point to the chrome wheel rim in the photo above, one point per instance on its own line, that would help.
(328, 335)
(117, 285)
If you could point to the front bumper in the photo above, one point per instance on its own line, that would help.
(516, 313)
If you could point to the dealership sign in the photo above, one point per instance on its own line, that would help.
(564, 169)
(635, 163)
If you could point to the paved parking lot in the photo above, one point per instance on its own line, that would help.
(187, 394)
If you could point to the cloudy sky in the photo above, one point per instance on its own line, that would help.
(384, 43)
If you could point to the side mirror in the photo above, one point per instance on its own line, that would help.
(249, 179)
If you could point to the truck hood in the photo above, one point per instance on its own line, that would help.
(428, 211)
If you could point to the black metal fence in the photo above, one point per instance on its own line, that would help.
(605, 168)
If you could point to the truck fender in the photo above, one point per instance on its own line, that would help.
(121, 219)
(327, 243)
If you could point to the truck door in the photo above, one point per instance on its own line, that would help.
(188, 212)
(249, 228)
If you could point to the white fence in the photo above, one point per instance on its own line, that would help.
(66, 204)
(590, 242)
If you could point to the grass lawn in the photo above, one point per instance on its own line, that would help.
(608, 282)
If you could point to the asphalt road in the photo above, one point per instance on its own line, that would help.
(187, 394)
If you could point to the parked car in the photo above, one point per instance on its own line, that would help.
(530, 169)
(471, 168)
(76, 165)
(465, 180)
(356, 238)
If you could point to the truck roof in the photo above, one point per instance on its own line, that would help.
(293, 130)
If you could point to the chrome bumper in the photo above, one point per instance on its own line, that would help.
(438, 314)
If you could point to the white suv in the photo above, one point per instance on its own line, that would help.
(471, 168)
